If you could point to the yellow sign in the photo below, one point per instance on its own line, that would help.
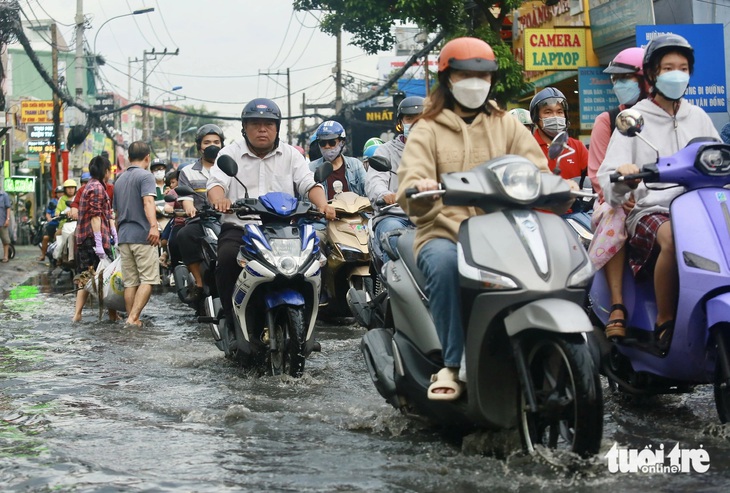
(37, 112)
(555, 49)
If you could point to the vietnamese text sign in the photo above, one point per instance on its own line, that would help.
(19, 184)
(40, 138)
(595, 93)
(37, 112)
(615, 20)
(707, 84)
(555, 49)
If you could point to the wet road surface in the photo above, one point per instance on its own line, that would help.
(95, 406)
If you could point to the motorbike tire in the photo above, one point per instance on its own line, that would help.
(288, 336)
(721, 389)
(568, 393)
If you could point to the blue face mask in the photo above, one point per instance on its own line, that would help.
(406, 129)
(627, 91)
(672, 84)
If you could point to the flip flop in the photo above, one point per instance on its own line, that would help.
(616, 328)
(5, 261)
(446, 378)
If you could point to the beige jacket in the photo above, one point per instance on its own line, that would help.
(448, 144)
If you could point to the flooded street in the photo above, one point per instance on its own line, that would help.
(95, 406)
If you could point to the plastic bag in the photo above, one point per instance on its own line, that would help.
(108, 284)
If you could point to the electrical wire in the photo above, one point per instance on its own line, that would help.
(293, 43)
(165, 24)
(286, 33)
(49, 15)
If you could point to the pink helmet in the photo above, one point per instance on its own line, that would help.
(628, 61)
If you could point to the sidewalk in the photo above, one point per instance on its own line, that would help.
(20, 268)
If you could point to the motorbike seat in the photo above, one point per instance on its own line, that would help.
(405, 250)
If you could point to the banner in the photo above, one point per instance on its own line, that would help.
(37, 112)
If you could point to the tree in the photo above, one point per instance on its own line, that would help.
(370, 23)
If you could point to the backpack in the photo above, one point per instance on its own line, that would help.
(612, 114)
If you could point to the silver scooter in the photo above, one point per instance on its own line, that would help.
(523, 277)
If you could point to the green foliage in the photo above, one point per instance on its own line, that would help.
(370, 23)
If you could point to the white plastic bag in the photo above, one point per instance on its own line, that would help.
(109, 284)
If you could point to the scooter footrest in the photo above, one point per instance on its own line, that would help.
(207, 320)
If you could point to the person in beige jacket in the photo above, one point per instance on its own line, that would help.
(458, 130)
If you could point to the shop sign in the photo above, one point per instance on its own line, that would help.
(707, 85)
(40, 139)
(37, 112)
(378, 115)
(19, 184)
(555, 49)
(595, 95)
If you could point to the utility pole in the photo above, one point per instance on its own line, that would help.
(55, 171)
(79, 60)
(145, 88)
(338, 74)
(288, 98)
(288, 104)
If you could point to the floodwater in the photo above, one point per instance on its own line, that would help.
(96, 407)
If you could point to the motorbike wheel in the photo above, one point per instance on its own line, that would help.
(568, 396)
(721, 387)
(288, 349)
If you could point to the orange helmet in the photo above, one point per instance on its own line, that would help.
(467, 54)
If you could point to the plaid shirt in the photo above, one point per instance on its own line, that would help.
(94, 202)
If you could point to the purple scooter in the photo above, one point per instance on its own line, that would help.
(699, 349)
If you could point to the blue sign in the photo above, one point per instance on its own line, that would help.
(595, 94)
(707, 87)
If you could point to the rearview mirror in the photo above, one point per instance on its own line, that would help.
(380, 163)
(629, 122)
(183, 191)
(228, 165)
(323, 172)
(557, 145)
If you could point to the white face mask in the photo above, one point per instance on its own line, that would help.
(471, 93)
(159, 175)
(553, 125)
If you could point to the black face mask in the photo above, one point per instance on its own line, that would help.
(210, 153)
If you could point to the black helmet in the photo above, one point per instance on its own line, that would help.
(158, 163)
(660, 46)
(207, 129)
(59, 189)
(261, 108)
(549, 95)
(412, 105)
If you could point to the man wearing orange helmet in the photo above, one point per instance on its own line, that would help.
(467, 129)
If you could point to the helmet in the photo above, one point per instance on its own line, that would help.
(158, 163)
(467, 54)
(549, 95)
(208, 129)
(663, 44)
(371, 142)
(85, 177)
(412, 105)
(370, 151)
(330, 130)
(59, 189)
(522, 115)
(70, 183)
(628, 61)
(261, 108)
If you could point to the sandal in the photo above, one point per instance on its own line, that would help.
(5, 261)
(616, 328)
(663, 335)
(446, 378)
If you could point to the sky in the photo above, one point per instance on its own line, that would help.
(225, 48)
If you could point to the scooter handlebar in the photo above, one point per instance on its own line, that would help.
(617, 177)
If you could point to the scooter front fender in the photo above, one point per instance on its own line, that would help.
(718, 309)
(552, 314)
(284, 297)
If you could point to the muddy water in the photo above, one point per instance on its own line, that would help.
(97, 407)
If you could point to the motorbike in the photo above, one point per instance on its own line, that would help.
(523, 278)
(699, 350)
(275, 298)
(370, 307)
(346, 247)
(209, 218)
(579, 218)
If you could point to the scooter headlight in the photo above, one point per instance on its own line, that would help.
(519, 180)
(714, 160)
(582, 276)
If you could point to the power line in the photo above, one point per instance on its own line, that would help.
(283, 40)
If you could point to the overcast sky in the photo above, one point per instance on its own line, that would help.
(224, 45)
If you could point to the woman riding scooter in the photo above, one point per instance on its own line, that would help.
(467, 129)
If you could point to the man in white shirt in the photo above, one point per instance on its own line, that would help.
(264, 165)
